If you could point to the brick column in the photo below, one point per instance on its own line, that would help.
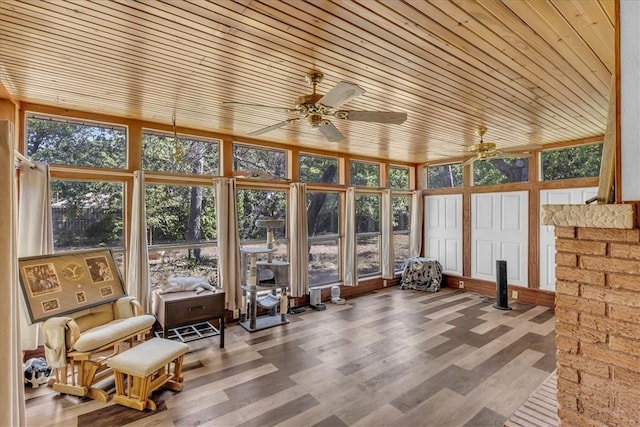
(597, 323)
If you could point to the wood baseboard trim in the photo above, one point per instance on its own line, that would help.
(527, 295)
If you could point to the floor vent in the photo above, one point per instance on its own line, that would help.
(540, 409)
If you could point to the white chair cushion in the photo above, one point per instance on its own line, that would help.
(146, 358)
(99, 336)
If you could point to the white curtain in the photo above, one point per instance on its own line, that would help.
(228, 241)
(386, 228)
(11, 385)
(415, 233)
(35, 232)
(138, 265)
(298, 240)
(350, 255)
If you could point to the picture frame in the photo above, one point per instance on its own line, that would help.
(59, 284)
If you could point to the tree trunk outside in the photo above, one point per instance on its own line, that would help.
(194, 229)
(317, 201)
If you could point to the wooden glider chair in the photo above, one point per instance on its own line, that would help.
(79, 346)
(87, 316)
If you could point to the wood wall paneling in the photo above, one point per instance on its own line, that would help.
(531, 72)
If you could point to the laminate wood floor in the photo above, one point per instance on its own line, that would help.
(389, 358)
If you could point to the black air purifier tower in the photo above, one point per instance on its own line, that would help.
(502, 299)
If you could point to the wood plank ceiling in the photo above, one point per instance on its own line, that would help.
(531, 71)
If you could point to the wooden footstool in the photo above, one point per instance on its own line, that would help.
(146, 368)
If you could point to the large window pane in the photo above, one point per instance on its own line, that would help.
(500, 171)
(323, 215)
(401, 206)
(365, 174)
(87, 215)
(573, 162)
(318, 169)
(399, 177)
(180, 214)
(74, 142)
(163, 153)
(259, 162)
(445, 176)
(254, 204)
(368, 234)
(181, 227)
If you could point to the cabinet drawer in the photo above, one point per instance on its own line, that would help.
(193, 310)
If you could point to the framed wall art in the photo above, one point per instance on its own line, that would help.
(58, 284)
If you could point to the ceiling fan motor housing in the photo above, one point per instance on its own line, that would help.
(308, 101)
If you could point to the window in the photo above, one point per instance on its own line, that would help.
(161, 152)
(573, 162)
(365, 174)
(445, 176)
(323, 215)
(259, 162)
(318, 169)
(86, 215)
(254, 204)
(181, 227)
(401, 208)
(500, 171)
(75, 143)
(399, 177)
(368, 234)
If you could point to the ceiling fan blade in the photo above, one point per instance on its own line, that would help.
(270, 107)
(331, 132)
(272, 127)
(342, 93)
(376, 116)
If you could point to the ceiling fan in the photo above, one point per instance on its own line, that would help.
(316, 109)
(489, 150)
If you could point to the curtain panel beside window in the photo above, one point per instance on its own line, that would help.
(138, 265)
(228, 241)
(35, 233)
(350, 256)
(299, 240)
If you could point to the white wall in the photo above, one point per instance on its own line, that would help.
(500, 231)
(443, 231)
(565, 196)
(630, 97)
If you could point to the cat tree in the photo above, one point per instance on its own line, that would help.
(264, 283)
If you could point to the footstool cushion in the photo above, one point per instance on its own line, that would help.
(148, 365)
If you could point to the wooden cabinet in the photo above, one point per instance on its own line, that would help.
(181, 309)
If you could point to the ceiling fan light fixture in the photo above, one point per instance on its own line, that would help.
(316, 120)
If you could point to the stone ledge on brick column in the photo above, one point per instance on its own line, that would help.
(620, 216)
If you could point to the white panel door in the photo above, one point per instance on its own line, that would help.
(499, 231)
(443, 231)
(564, 196)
